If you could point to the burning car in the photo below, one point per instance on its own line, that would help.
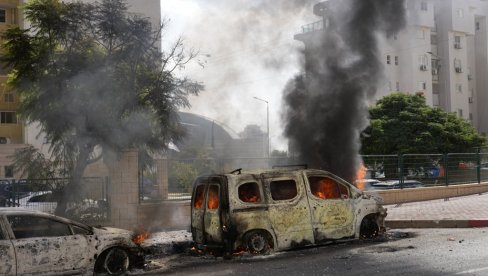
(268, 210)
(33, 242)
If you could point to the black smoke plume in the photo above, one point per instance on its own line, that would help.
(327, 107)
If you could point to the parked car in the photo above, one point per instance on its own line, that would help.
(395, 184)
(267, 210)
(368, 184)
(37, 243)
(84, 210)
(43, 201)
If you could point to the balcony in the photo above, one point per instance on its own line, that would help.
(312, 27)
(9, 3)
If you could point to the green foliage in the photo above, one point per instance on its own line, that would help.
(182, 175)
(402, 124)
(95, 79)
(187, 165)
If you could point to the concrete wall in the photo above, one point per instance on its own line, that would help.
(397, 196)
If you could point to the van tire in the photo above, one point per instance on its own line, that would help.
(369, 228)
(258, 242)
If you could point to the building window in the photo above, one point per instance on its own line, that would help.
(8, 97)
(397, 86)
(389, 85)
(423, 62)
(423, 6)
(477, 25)
(3, 16)
(421, 34)
(457, 42)
(458, 65)
(396, 60)
(460, 13)
(460, 113)
(459, 88)
(423, 85)
(433, 39)
(8, 117)
(9, 171)
(388, 61)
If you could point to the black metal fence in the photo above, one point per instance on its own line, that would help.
(90, 205)
(428, 169)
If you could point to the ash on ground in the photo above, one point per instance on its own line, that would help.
(167, 243)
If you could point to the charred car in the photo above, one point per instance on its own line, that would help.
(37, 243)
(273, 210)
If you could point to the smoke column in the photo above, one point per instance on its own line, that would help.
(327, 108)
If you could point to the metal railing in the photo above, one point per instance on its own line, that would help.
(315, 26)
(429, 169)
(90, 205)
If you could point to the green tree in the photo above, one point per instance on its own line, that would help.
(402, 124)
(94, 78)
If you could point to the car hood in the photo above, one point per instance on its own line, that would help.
(112, 231)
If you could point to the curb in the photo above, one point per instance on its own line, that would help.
(398, 224)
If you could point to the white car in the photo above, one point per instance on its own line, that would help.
(37, 243)
(43, 201)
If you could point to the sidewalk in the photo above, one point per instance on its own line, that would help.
(457, 212)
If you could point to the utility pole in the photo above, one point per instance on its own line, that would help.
(267, 123)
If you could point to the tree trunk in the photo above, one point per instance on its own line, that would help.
(73, 188)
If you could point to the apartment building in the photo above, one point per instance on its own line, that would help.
(441, 53)
(11, 129)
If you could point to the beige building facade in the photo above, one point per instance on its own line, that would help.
(441, 53)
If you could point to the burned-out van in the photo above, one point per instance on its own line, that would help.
(267, 210)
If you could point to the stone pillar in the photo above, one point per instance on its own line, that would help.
(124, 190)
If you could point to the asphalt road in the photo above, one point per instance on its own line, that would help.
(405, 252)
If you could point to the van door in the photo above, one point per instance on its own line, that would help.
(331, 207)
(289, 212)
(206, 210)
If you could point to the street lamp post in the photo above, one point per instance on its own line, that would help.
(267, 122)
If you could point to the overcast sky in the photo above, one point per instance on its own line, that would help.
(249, 51)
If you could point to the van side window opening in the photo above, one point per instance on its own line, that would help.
(249, 192)
(324, 187)
(198, 203)
(283, 189)
(213, 197)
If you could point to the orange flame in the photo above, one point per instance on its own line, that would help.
(140, 236)
(360, 175)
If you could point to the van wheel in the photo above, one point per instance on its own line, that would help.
(369, 229)
(258, 243)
